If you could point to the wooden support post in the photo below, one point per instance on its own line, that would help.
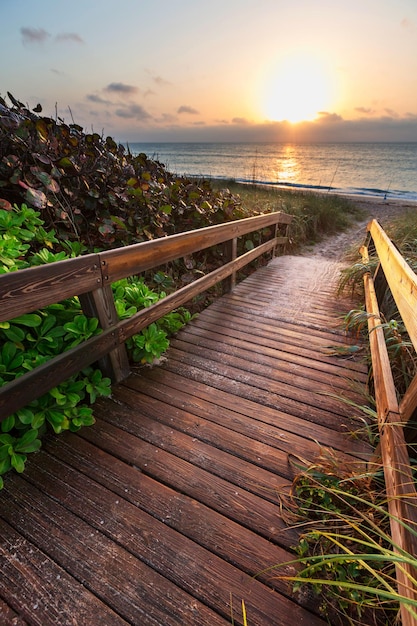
(230, 254)
(100, 303)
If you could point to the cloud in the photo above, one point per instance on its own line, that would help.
(166, 118)
(392, 113)
(325, 116)
(242, 121)
(40, 35)
(70, 37)
(187, 109)
(92, 97)
(33, 35)
(364, 110)
(134, 111)
(330, 127)
(160, 81)
(121, 88)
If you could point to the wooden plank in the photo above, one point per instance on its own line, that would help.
(289, 369)
(400, 277)
(42, 592)
(8, 617)
(279, 353)
(291, 337)
(208, 580)
(245, 455)
(194, 477)
(26, 290)
(230, 254)
(81, 538)
(243, 461)
(182, 392)
(139, 257)
(400, 486)
(386, 397)
(301, 403)
(219, 534)
(284, 434)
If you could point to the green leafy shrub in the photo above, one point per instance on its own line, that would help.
(29, 340)
(92, 190)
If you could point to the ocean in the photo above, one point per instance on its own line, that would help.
(384, 170)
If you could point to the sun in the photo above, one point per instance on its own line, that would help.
(296, 89)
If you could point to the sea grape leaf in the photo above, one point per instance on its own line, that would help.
(36, 198)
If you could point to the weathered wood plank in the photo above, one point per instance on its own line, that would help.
(8, 617)
(83, 534)
(284, 369)
(219, 534)
(254, 465)
(195, 477)
(42, 592)
(279, 354)
(209, 580)
(36, 287)
(309, 406)
(400, 485)
(186, 404)
(143, 256)
(400, 277)
(250, 476)
(182, 392)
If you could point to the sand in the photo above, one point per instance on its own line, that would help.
(338, 246)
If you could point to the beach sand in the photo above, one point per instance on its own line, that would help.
(338, 246)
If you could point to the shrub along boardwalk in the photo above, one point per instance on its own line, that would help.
(167, 511)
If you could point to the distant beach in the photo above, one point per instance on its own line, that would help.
(386, 171)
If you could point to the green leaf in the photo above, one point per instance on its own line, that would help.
(5, 465)
(30, 319)
(8, 424)
(28, 443)
(18, 462)
(15, 334)
(6, 440)
(38, 420)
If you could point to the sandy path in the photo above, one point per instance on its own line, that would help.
(336, 246)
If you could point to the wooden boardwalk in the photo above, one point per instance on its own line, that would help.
(167, 510)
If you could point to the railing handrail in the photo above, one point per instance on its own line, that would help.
(393, 271)
(90, 278)
(36, 287)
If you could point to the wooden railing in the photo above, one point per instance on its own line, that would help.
(394, 416)
(90, 277)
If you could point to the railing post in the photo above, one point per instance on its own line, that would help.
(100, 303)
(230, 254)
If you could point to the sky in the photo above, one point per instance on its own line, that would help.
(216, 70)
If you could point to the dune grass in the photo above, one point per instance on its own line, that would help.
(315, 214)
